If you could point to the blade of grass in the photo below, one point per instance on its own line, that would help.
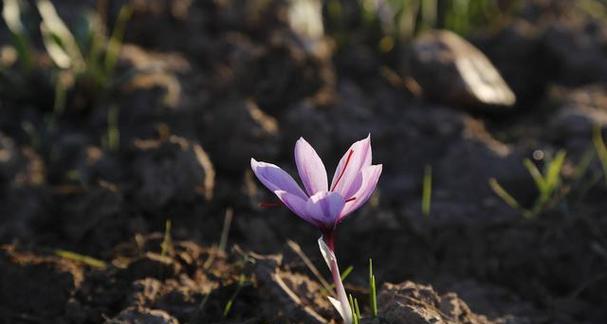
(346, 273)
(167, 243)
(90, 261)
(352, 307)
(535, 173)
(11, 13)
(357, 311)
(553, 173)
(230, 302)
(115, 43)
(503, 194)
(227, 223)
(427, 191)
(113, 130)
(372, 291)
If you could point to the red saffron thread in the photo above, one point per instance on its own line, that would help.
(343, 170)
(350, 199)
(269, 204)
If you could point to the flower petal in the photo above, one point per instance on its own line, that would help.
(370, 177)
(275, 178)
(345, 180)
(297, 206)
(310, 167)
(325, 207)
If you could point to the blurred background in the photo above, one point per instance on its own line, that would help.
(127, 126)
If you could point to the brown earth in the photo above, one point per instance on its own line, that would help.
(207, 85)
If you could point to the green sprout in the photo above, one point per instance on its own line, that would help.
(404, 19)
(547, 184)
(427, 191)
(11, 13)
(88, 54)
(372, 291)
(230, 303)
(90, 261)
(167, 242)
(355, 310)
(112, 137)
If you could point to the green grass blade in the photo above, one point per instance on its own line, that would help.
(115, 43)
(427, 191)
(372, 291)
(11, 13)
(553, 173)
(353, 309)
(113, 128)
(346, 273)
(167, 243)
(537, 176)
(503, 194)
(230, 303)
(357, 311)
(90, 261)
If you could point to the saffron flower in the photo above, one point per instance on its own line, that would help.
(322, 205)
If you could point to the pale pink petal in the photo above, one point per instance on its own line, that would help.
(297, 206)
(275, 178)
(325, 207)
(346, 178)
(370, 177)
(310, 167)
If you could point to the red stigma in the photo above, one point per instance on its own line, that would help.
(269, 204)
(350, 199)
(341, 174)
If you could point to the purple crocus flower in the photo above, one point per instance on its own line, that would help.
(322, 205)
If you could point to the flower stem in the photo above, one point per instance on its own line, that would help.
(329, 238)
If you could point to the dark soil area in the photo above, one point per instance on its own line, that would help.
(200, 87)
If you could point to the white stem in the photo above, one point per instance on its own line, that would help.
(341, 292)
(341, 303)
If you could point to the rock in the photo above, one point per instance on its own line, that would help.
(413, 303)
(171, 169)
(133, 315)
(453, 71)
(39, 286)
(236, 130)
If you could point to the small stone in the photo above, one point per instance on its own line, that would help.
(413, 303)
(453, 71)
